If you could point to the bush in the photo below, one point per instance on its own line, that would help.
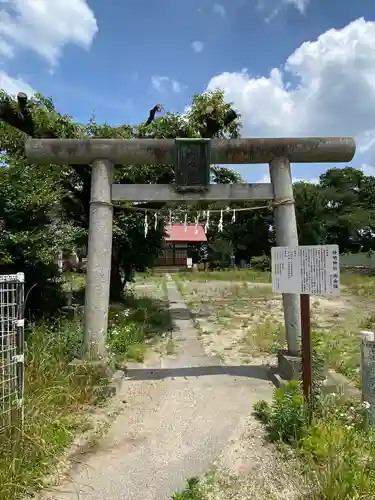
(336, 448)
(262, 263)
(340, 461)
(263, 412)
(287, 414)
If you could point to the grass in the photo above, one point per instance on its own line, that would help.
(170, 347)
(73, 281)
(336, 450)
(340, 462)
(267, 336)
(134, 324)
(341, 350)
(358, 284)
(226, 275)
(241, 312)
(56, 395)
(193, 491)
(245, 309)
(341, 345)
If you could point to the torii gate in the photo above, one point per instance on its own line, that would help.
(192, 159)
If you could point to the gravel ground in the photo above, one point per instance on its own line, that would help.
(183, 415)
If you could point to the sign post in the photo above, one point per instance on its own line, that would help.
(306, 270)
(306, 345)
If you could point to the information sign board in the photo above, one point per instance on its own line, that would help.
(311, 270)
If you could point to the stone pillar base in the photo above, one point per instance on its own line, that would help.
(288, 368)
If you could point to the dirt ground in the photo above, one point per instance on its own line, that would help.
(242, 322)
(250, 467)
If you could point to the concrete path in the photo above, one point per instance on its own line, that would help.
(180, 416)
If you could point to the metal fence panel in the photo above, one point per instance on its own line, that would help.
(11, 349)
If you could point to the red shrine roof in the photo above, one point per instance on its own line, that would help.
(178, 234)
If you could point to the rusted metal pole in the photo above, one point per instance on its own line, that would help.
(161, 151)
(306, 347)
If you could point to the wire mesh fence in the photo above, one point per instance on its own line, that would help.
(11, 349)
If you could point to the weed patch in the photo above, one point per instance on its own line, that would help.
(266, 335)
(193, 491)
(56, 393)
(227, 275)
(359, 285)
(336, 447)
(134, 323)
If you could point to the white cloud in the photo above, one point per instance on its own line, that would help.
(45, 26)
(274, 7)
(298, 4)
(197, 46)
(334, 95)
(162, 83)
(158, 81)
(368, 170)
(14, 85)
(176, 87)
(266, 179)
(220, 10)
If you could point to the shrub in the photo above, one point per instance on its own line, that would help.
(191, 492)
(340, 461)
(286, 416)
(337, 448)
(288, 413)
(263, 411)
(262, 263)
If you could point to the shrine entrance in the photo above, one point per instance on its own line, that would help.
(192, 159)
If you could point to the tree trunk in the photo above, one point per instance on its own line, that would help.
(128, 272)
(116, 286)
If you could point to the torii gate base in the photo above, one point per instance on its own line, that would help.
(192, 158)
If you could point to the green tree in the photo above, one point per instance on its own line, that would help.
(310, 213)
(340, 209)
(208, 116)
(349, 206)
(32, 229)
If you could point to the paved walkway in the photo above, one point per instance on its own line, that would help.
(181, 415)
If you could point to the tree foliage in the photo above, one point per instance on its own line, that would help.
(46, 207)
(339, 209)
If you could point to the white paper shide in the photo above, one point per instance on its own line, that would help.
(313, 270)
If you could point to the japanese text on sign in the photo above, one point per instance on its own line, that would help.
(313, 270)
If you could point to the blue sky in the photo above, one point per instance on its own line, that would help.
(291, 67)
